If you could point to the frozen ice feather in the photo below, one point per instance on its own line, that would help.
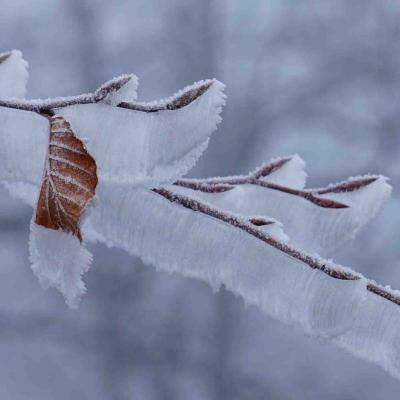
(128, 91)
(289, 171)
(108, 93)
(310, 227)
(176, 239)
(23, 146)
(24, 141)
(13, 74)
(270, 226)
(16, 152)
(147, 156)
(26, 192)
(151, 146)
(59, 260)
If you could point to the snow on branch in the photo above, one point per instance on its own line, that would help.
(48, 106)
(83, 137)
(179, 233)
(129, 146)
(138, 147)
(179, 100)
(13, 74)
(317, 220)
(256, 234)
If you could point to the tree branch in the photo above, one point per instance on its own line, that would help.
(182, 99)
(224, 184)
(251, 228)
(47, 106)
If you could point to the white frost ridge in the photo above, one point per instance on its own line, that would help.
(176, 239)
(147, 148)
(59, 260)
(13, 74)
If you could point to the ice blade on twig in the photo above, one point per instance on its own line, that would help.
(13, 74)
(150, 148)
(184, 235)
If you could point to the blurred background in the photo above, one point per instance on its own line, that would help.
(318, 78)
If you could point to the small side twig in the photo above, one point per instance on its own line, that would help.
(224, 184)
(180, 100)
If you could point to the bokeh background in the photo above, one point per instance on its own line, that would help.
(318, 78)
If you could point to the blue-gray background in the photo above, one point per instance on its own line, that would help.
(320, 78)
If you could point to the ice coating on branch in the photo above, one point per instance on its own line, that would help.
(154, 143)
(112, 91)
(146, 157)
(59, 260)
(13, 80)
(176, 239)
(148, 147)
(23, 145)
(24, 134)
(128, 92)
(13, 74)
(311, 227)
(270, 226)
(290, 173)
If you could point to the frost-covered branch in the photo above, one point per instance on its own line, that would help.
(259, 177)
(251, 228)
(13, 74)
(179, 233)
(236, 222)
(256, 234)
(316, 220)
(89, 140)
(179, 100)
(48, 106)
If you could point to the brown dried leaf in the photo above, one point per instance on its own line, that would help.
(69, 181)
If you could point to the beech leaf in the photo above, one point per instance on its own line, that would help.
(69, 182)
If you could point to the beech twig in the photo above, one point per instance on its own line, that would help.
(180, 100)
(253, 230)
(47, 106)
(224, 184)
